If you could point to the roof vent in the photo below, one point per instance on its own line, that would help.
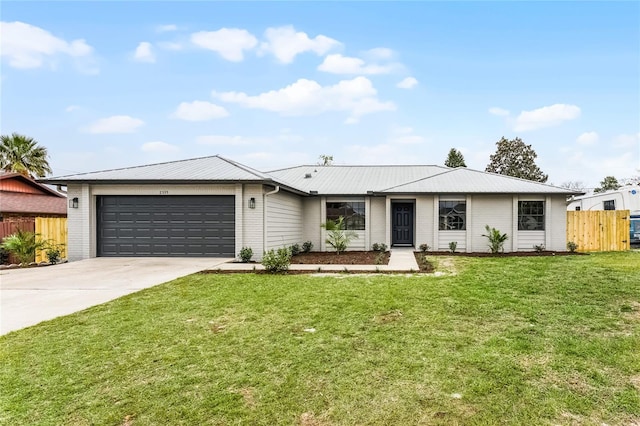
(307, 175)
(313, 192)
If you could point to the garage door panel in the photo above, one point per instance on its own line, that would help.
(166, 226)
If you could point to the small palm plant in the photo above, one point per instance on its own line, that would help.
(23, 244)
(496, 239)
(338, 237)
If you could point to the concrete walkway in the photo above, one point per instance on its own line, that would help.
(402, 260)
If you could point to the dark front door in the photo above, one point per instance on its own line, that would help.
(402, 224)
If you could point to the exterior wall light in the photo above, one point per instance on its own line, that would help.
(252, 203)
(73, 203)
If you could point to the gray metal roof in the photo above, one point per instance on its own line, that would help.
(352, 180)
(213, 168)
(468, 181)
(323, 180)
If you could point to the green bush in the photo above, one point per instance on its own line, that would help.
(23, 244)
(381, 247)
(424, 248)
(539, 248)
(338, 237)
(275, 261)
(295, 249)
(572, 247)
(496, 239)
(307, 246)
(245, 254)
(53, 253)
(453, 245)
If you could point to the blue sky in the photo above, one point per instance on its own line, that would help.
(115, 84)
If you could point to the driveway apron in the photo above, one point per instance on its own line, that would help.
(31, 295)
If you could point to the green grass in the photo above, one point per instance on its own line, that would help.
(542, 340)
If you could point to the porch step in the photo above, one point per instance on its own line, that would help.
(402, 259)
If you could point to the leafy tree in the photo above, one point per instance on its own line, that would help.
(455, 159)
(607, 184)
(577, 185)
(22, 154)
(325, 160)
(515, 158)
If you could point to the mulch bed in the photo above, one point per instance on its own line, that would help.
(509, 254)
(345, 258)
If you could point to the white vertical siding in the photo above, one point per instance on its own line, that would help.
(79, 224)
(378, 222)
(424, 220)
(284, 220)
(495, 211)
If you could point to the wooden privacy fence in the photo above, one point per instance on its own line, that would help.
(599, 230)
(53, 230)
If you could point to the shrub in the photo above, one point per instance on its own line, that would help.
(307, 246)
(295, 249)
(275, 261)
(496, 239)
(53, 253)
(572, 247)
(337, 237)
(379, 260)
(245, 254)
(453, 245)
(424, 248)
(539, 248)
(381, 247)
(23, 244)
(4, 256)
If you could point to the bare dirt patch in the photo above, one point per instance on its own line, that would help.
(344, 258)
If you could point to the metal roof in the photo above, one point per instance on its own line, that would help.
(322, 180)
(352, 180)
(468, 181)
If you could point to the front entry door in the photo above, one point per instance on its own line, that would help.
(402, 224)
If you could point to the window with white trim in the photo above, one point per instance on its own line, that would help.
(453, 215)
(352, 212)
(530, 215)
(609, 204)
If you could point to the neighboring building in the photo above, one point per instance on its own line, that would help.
(22, 198)
(213, 206)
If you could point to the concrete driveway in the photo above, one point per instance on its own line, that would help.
(29, 296)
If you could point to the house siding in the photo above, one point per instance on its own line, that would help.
(311, 210)
(557, 223)
(424, 220)
(446, 237)
(284, 220)
(251, 224)
(495, 211)
(377, 220)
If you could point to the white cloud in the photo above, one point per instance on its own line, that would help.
(379, 53)
(170, 45)
(166, 28)
(144, 53)
(230, 43)
(115, 124)
(338, 64)
(306, 97)
(285, 43)
(405, 136)
(546, 117)
(587, 138)
(199, 111)
(158, 146)
(72, 108)
(499, 112)
(407, 83)
(225, 140)
(28, 46)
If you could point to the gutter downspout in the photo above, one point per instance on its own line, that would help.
(264, 217)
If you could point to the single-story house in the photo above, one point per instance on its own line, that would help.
(22, 198)
(213, 206)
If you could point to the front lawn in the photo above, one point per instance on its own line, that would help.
(539, 340)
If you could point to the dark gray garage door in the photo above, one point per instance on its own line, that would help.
(166, 226)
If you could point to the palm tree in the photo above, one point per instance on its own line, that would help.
(22, 154)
